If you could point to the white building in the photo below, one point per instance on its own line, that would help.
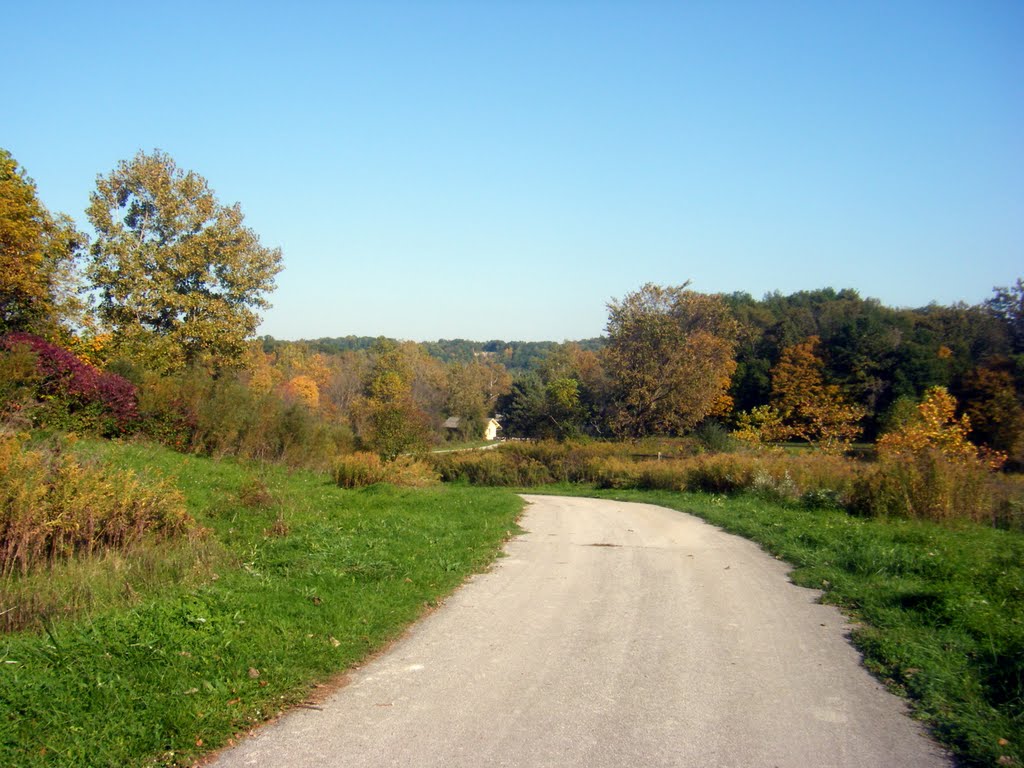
(491, 429)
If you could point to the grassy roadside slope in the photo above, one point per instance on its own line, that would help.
(304, 579)
(938, 610)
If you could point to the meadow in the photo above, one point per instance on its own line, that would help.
(250, 584)
(158, 652)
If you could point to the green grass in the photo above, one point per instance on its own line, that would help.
(299, 580)
(938, 610)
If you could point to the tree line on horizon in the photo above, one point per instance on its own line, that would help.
(162, 303)
(850, 352)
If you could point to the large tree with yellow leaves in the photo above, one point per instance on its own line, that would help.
(179, 275)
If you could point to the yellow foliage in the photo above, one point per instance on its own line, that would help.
(37, 254)
(56, 506)
(259, 367)
(318, 370)
(305, 390)
(810, 408)
(937, 427)
(181, 285)
(762, 424)
(722, 406)
(92, 350)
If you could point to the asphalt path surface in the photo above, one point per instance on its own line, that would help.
(611, 634)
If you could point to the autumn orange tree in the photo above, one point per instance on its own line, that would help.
(810, 408)
(303, 389)
(670, 358)
(259, 372)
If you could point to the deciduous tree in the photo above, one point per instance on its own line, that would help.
(387, 417)
(810, 408)
(38, 253)
(570, 362)
(761, 424)
(179, 274)
(303, 389)
(937, 428)
(994, 407)
(670, 357)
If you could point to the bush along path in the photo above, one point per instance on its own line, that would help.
(299, 580)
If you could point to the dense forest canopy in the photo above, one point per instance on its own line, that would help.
(879, 359)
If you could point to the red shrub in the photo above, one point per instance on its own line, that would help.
(68, 378)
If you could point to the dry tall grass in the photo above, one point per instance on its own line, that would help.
(361, 469)
(922, 486)
(53, 505)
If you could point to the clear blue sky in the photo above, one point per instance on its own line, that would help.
(502, 169)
